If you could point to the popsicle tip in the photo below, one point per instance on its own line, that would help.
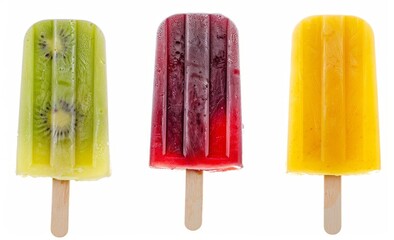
(74, 21)
(314, 18)
(332, 230)
(193, 226)
(59, 232)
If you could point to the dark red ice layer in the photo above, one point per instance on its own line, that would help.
(196, 120)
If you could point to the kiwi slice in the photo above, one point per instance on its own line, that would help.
(58, 121)
(55, 46)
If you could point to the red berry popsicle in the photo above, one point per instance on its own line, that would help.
(196, 119)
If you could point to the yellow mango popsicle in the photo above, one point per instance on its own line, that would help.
(333, 119)
(333, 123)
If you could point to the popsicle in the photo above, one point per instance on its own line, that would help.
(196, 119)
(333, 119)
(63, 131)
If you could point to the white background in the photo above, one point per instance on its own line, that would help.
(260, 201)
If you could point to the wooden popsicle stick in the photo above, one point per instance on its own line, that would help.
(193, 200)
(332, 204)
(60, 202)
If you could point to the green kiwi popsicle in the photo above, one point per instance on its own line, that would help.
(63, 131)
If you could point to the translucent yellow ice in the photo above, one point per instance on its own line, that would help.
(333, 119)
